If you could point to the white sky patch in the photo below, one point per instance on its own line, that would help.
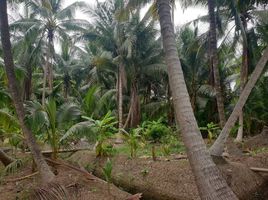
(181, 16)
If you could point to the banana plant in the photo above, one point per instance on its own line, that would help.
(212, 130)
(133, 138)
(154, 131)
(100, 130)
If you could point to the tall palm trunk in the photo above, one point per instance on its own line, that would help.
(243, 78)
(120, 98)
(214, 61)
(5, 159)
(135, 105)
(218, 146)
(210, 183)
(44, 170)
(50, 59)
(28, 84)
(120, 102)
(44, 85)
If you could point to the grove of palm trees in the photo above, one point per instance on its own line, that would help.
(127, 100)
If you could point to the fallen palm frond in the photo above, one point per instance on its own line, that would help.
(13, 167)
(84, 172)
(22, 178)
(52, 191)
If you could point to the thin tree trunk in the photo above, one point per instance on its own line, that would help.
(135, 104)
(50, 59)
(243, 78)
(211, 185)
(215, 62)
(120, 103)
(128, 116)
(28, 84)
(218, 146)
(45, 172)
(5, 159)
(44, 85)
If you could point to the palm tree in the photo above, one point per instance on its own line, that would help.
(208, 177)
(44, 170)
(218, 147)
(134, 50)
(51, 21)
(52, 119)
(210, 183)
(214, 61)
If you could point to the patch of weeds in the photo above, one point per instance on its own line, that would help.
(144, 172)
(93, 190)
(258, 150)
(90, 167)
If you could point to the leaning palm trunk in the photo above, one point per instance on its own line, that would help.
(45, 172)
(211, 185)
(214, 61)
(5, 159)
(218, 147)
(243, 77)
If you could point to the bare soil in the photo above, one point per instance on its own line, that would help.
(172, 179)
(76, 186)
(168, 178)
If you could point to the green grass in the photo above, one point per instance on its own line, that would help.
(145, 150)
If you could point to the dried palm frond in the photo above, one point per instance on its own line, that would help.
(53, 191)
(13, 167)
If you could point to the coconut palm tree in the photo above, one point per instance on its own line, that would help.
(44, 170)
(218, 146)
(131, 57)
(50, 21)
(214, 62)
(208, 177)
(52, 120)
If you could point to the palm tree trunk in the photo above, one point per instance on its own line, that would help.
(243, 78)
(5, 159)
(44, 85)
(128, 116)
(135, 105)
(44, 170)
(28, 84)
(214, 61)
(50, 60)
(211, 185)
(120, 98)
(120, 103)
(218, 146)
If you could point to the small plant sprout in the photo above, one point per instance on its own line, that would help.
(132, 139)
(107, 172)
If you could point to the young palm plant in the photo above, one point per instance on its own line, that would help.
(52, 120)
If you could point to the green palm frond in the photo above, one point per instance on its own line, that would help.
(85, 128)
(68, 112)
(8, 119)
(69, 11)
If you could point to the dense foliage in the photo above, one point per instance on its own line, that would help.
(70, 72)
